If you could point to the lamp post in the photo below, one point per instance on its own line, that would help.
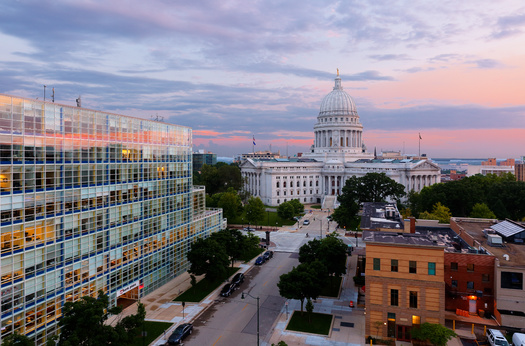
(249, 295)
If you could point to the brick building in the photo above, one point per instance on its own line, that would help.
(405, 285)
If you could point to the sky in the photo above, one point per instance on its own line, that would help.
(452, 71)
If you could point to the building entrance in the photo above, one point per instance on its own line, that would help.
(403, 333)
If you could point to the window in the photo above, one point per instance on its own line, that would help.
(393, 265)
(394, 297)
(431, 268)
(470, 267)
(454, 283)
(470, 285)
(416, 320)
(377, 264)
(485, 277)
(412, 267)
(487, 290)
(413, 299)
(512, 280)
(454, 266)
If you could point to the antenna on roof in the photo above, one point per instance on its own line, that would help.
(157, 117)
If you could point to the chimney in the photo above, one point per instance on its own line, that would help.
(412, 224)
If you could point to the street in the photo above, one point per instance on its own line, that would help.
(232, 320)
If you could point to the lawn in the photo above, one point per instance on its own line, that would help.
(332, 287)
(153, 330)
(319, 323)
(203, 288)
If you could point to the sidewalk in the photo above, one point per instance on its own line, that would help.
(348, 326)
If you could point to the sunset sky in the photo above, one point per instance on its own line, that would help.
(453, 71)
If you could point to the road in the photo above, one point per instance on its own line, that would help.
(232, 320)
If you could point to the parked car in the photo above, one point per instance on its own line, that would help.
(248, 229)
(496, 338)
(227, 290)
(238, 279)
(260, 260)
(180, 333)
(306, 222)
(267, 255)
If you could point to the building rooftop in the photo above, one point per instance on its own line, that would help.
(377, 215)
(424, 236)
(474, 228)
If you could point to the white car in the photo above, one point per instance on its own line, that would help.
(306, 222)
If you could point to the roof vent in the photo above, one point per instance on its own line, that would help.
(506, 257)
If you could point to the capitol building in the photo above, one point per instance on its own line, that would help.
(337, 154)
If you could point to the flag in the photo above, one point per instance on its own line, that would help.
(254, 140)
(420, 136)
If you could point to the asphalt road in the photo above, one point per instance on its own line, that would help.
(232, 320)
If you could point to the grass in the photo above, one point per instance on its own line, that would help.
(315, 206)
(319, 323)
(153, 330)
(203, 288)
(332, 288)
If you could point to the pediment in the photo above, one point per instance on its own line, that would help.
(425, 166)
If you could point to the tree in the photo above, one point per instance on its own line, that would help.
(230, 203)
(285, 210)
(254, 210)
(208, 257)
(330, 251)
(232, 241)
(435, 333)
(482, 211)
(17, 339)
(298, 207)
(82, 323)
(372, 187)
(309, 309)
(440, 213)
(302, 282)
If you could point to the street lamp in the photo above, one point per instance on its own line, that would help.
(248, 294)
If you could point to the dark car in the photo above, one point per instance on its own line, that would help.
(180, 333)
(267, 255)
(260, 260)
(248, 229)
(238, 279)
(227, 290)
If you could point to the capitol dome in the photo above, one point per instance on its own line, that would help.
(338, 102)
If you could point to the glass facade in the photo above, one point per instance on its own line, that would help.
(90, 200)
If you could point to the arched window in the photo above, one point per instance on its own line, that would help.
(304, 183)
(291, 184)
(284, 183)
(277, 184)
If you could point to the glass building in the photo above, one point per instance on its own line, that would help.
(90, 200)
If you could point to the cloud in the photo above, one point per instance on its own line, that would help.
(487, 63)
(385, 57)
(508, 26)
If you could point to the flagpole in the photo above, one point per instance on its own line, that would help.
(419, 154)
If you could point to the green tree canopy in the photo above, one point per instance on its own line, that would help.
(82, 323)
(208, 257)
(231, 204)
(436, 334)
(285, 211)
(330, 251)
(17, 339)
(254, 210)
(298, 207)
(439, 212)
(233, 242)
(372, 187)
(482, 211)
(503, 195)
(302, 282)
(219, 177)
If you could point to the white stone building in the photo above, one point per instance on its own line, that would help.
(337, 154)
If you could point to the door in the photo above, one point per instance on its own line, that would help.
(403, 333)
(472, 306)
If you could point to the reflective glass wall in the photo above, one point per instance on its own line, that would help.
(89, 200)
